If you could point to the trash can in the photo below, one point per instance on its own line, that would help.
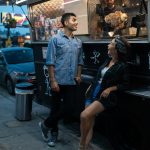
(24, 95)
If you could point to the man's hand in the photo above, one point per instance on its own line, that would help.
(54, 86)
(78, 80)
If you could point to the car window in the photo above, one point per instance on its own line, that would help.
(19, 56)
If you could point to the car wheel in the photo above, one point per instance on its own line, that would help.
(10, 86)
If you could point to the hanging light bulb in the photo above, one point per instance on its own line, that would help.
(7, 2)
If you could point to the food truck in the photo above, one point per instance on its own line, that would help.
(133, 22)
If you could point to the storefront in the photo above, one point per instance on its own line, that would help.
(131, 21)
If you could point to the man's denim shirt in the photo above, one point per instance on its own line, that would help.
(65, 54)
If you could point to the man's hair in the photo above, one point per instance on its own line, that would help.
(65, 17)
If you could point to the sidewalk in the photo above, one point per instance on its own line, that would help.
(26, 135)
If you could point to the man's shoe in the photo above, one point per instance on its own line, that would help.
(44, 131)
(52, 141)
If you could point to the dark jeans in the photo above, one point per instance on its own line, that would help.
(62, 106)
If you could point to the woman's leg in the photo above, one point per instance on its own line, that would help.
(90, 133)
(87, 122)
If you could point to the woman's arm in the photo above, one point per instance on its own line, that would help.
(123, 83)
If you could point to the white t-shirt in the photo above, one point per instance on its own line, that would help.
(103, 71)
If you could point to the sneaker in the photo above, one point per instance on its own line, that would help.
(45, 131)
(52, 141)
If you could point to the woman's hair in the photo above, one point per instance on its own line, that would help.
(122, 46)
(65, 17)
(9, 15)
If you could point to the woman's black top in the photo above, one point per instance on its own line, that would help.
(116, 75)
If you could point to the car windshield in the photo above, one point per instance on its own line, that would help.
(19, 56)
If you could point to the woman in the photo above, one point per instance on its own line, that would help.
(6, 18)
(111, 78)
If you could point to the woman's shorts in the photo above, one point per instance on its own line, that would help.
(109, 102)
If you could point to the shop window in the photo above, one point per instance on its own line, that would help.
(128, 18)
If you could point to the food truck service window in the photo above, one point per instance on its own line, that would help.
(97, 19)
(45, 17)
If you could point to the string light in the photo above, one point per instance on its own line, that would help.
(7, 2)
(20, 1)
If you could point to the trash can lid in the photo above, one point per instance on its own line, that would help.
(25, 85)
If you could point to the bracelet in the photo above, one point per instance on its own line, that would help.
(78, 77)
(52, 80)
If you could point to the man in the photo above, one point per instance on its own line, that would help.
(64, 61)
(110, 8)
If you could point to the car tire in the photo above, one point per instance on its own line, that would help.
(10, 86)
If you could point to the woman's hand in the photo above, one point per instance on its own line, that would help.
(54, 86)
(105, 93)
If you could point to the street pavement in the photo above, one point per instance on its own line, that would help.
(26, 135)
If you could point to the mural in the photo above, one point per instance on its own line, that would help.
(47, 81)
